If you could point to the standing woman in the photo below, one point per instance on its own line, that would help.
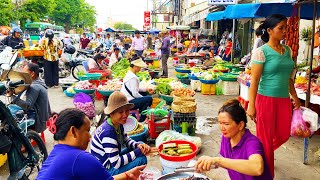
(271, 82)
(51, 47)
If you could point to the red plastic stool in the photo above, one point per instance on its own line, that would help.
(243, 102)
(98, 95)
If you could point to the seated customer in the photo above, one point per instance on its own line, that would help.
(97, 63)
(69, 159)
(242, 152)
(110, 145)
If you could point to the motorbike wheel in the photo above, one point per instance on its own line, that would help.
(40, 149)
(77, 69)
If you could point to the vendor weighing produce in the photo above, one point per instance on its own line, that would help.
(131, 88)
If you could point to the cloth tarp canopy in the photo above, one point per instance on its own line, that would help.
(215, 16)
(261, 10)
(109, 30)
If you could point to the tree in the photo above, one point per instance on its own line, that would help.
(6, 12)
(35, 10)
(123, 26)
(73, 13)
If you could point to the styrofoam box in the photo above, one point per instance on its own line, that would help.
(230, 87)
(244, 92)
(310, 116)
(195, 85)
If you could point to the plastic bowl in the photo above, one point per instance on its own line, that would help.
(178, 158)
(192, 77)
(225, 78)
(167, 98)
(183, 70)
(221, 70)
(90, 76)
(214, 81)
(105, 93)
(68, 94)
(141, 136)
(86, 91)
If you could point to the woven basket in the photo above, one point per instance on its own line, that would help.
(139, 130)
(187, 107)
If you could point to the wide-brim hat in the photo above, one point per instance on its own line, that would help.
(139, 63)
(117, 100)
(17, 76)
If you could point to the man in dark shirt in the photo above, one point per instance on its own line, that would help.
(14, 41)
(165, 51)
(84, 41)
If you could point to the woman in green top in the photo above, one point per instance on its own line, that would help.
(271, 82)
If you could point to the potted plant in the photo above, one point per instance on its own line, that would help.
(306, 34)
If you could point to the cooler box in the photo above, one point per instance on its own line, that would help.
(244, 92)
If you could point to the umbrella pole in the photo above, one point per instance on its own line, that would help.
(306, 140)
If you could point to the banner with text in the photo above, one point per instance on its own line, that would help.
(221, 2)
(147, 19)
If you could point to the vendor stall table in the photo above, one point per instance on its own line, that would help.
(315, 100)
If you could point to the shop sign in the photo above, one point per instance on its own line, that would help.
(221, 2)
(147, 19)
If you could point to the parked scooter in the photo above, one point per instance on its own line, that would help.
(25, 148)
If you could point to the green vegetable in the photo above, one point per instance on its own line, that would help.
(163, 80)
(143, 75)
(164, 88)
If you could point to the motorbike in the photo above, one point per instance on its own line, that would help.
(25, 149)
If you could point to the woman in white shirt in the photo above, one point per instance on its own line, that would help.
(131, 88)
(115, 57)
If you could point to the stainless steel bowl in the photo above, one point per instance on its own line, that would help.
(180, 175)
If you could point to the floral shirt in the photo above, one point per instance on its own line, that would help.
(51, 50)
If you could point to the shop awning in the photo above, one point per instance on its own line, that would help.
(215, 16)
(261, 10)
(109, 30)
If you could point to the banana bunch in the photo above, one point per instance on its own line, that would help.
(301, 80)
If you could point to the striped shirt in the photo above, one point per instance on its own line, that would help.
(106, 147)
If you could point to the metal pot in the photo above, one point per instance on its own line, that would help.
(180, 175)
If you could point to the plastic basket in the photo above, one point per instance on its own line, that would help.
(167, 98)
(178, 158)
(183, 70)
(105, 93)
(90, 76)
(68, 94)
(86, 91)
(213, 81)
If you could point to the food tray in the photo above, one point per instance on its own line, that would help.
(105, 93)
(68, 94)
(214, 81)
(183, 70)
(86, 91)
(181, 175)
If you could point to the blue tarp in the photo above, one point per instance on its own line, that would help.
(154, 31)
(109, 30)
(259, 10)
(215, 16)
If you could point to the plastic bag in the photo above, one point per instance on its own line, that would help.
(84, 103)
(311, 118)
(168, 135)
(299, 127)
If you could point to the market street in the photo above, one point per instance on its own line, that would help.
(288, 158)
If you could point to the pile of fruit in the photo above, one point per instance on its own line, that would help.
(172, 149)
(183, 92)
(112, 85)
(84, 85)
(301, 80)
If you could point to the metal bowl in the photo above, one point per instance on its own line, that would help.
(180, 175)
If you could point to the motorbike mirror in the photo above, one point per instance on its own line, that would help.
(5, 66)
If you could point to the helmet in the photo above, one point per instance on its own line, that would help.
(49, 33)
(16, 29)
(70, 49)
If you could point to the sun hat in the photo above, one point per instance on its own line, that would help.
(139, 62)
(117, 100)
(17, 76)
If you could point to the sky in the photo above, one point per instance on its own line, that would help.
(130, 11)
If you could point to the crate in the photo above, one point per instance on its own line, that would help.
(208, 89)
(244, 92)
(156, 127)
(184, 117)
(195, 85)
(230, 87)
(243, 102)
